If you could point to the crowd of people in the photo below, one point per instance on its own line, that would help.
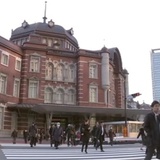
(70, 135)
(150, 134)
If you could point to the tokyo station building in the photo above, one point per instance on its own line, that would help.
(45, 77)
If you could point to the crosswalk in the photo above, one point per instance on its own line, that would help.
(73, 153)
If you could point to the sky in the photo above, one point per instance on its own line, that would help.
(133, 26)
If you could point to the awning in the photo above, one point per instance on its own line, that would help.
(72, 109)
(48, 108)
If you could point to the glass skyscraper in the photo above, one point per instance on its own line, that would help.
(155, 69)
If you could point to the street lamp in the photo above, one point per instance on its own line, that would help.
(125, 131)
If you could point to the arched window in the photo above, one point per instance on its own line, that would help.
(60, 96)
(71, 96)
(48, 97)
(71, 73)
(60, 72)
(49, 71)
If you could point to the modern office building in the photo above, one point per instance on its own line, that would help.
(155, 69)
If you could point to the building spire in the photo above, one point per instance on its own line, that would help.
(44, 18)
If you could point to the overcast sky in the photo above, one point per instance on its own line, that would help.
(133, 26)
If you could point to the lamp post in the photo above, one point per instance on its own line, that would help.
(125, 106)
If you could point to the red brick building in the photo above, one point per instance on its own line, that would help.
(45, 77)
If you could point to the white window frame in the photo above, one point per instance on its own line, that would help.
(49, 71)
(18, 67)
(71, 96)
(60, 72)
(33, 89)
(50, 42)
(34, 64)
(71, 73)
(16, 87)
(93, 71)
(93, 97)
(48, 95)
(60, 96)
(3, 83)
(4, 61)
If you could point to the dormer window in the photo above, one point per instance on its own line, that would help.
(44, 40)
(24, 24)
(51, 23)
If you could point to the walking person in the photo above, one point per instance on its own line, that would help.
(152, 129)
(57, 135)
(85, 135)
(14, 136)
(101, 132)
(33, 134)
(111, 135)
(94, 134)
(143, 137)
(51, 134)
(25, 136)
(68, 134)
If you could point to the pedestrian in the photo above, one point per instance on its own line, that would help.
(33, 134)
(14, 136)
(25, 136)
(40, 135)
(94, 133)
(152, 130)
(111, 135)
(57, 135)
(51, 134)
(101, 133)
(68, 134)
(85, 135)
(143, 137)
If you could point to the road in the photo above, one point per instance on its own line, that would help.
(45, 152)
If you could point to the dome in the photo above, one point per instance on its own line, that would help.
(41, 28)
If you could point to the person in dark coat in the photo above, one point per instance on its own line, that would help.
(94, 134)
(51, 134)
(152, 131)
(25, 136)
(57, 135)
(142, 134)
(33, 134)
(101, 133)
(68, 134)
(111, 135)
(14, 136)
(85, 135)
